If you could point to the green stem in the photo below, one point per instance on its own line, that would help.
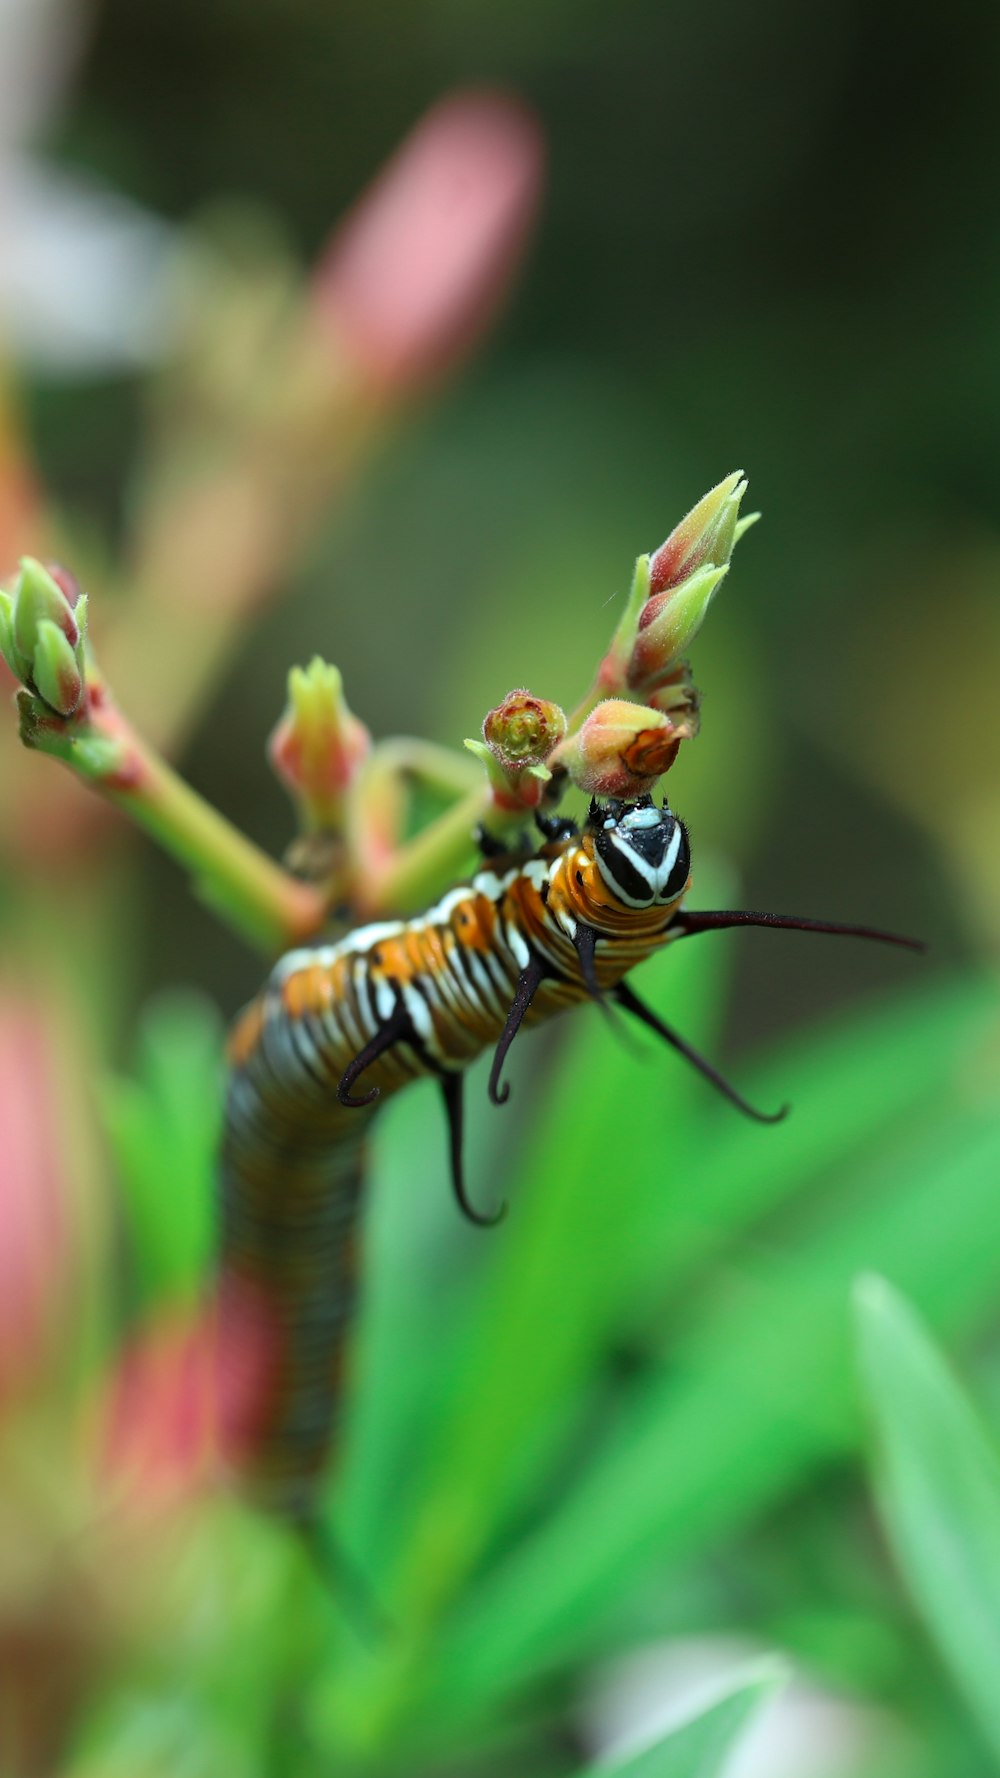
(262, 902)
(439, 768)
(425, 865)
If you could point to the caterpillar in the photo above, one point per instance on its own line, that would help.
(340, 1026)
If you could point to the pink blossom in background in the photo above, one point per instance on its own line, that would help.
(419, 268)
(34, 1222)
(186, 1401)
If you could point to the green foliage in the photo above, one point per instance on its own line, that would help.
(938, 1481)
(164, 1128)
(513, 1510)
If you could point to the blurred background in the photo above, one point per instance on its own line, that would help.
(765, 237)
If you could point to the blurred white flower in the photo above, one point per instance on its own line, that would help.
(804, 1731)
(82, 270)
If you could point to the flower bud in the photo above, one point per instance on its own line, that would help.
(518, 738)
(8, 647)
(417, 271)
(37, 596)
(55, 670)
(523, 730)
(667, 624)
(621, 750)
(318, 746)
(706, 535)
(42, 636)
(672, 590)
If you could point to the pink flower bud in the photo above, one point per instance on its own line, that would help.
(318, 746)
(707, 534)
(186, 1399)
(34, 1226)
(621, 750)
(416, 273)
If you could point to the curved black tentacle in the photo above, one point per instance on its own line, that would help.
(528, 981)
(396, 1026)
(451, 1091)
(627, 998)
(585, 940)
(688, 922)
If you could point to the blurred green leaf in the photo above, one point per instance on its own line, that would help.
(756, 1392)
(938, 1483)
(164, 1129)
(564, 1267)
(700, 1747)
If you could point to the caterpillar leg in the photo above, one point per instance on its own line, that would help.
(627, 998)
(452, 1086)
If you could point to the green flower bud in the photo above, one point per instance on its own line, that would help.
(706, 535)
(55, 669)
(318, 746)
(8, 647)
(671, 592)
(668, 623)
(37, 596)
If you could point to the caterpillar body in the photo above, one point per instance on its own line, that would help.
(529, 936)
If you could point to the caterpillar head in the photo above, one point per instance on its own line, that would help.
(642, 852)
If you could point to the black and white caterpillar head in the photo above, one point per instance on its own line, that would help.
(642, 852)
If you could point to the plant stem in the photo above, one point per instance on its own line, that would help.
(260, 900)
(425, 865)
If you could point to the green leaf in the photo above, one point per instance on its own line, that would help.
(700, 1747)
(754, 1395)
(938, 1483)
(562, 1269)
(164, 1129)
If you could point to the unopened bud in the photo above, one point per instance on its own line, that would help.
(56, 670)
(672, 590)
(523, 730)
(37, 596)
(8, 647)
(667, 625)
(417, 271)
(706, 535)
(621, 750)
(42, 637)
(318, 746)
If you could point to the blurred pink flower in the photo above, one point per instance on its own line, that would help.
(184, 1403)
(34, 1222)
(415, 274)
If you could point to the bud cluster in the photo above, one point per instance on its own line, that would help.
(42, 636)
(627, 733)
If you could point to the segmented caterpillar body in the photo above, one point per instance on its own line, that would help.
(525, 939)
(529, 936)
